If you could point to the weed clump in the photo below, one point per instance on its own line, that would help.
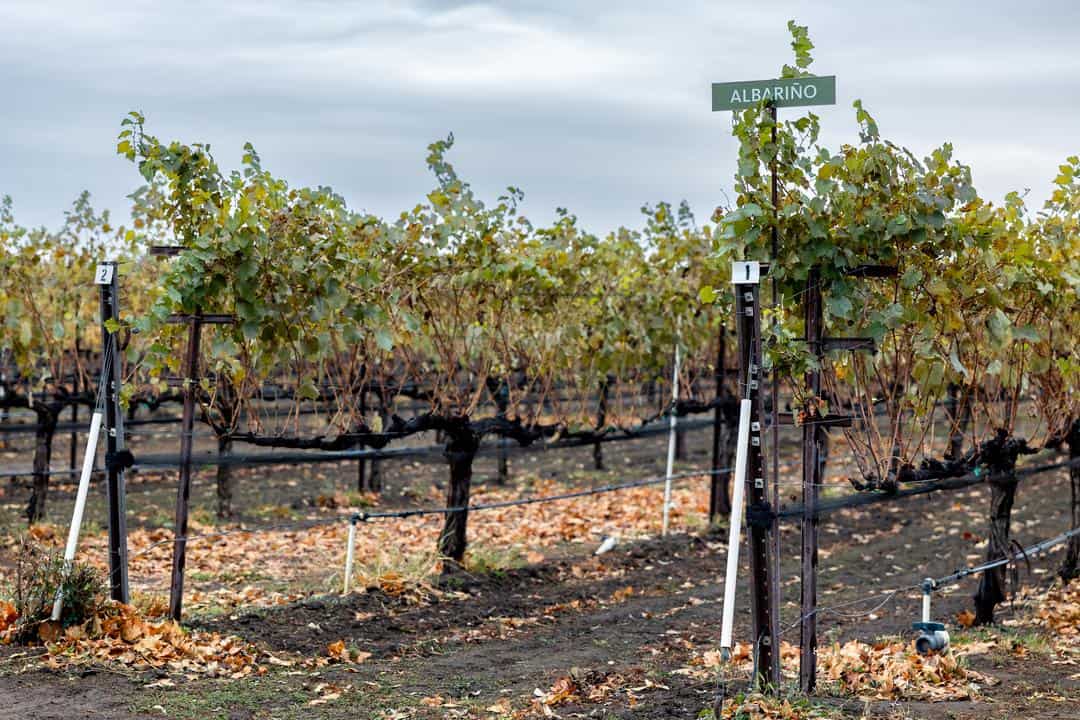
(39, 572)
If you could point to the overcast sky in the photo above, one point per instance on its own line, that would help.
(597, 107)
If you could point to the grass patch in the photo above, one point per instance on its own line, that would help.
(1009, 640)
(275, 512)
(787, 705)
(493, 561)
(259, 696)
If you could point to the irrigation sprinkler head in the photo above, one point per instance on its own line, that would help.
(932, 638)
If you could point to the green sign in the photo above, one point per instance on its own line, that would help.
(786, 92)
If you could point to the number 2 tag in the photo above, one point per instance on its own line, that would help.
(104, 274)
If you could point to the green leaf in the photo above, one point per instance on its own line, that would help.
(1000, 327)
(839, 306)
(384, 339)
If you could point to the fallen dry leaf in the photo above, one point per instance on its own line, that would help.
(8, 615)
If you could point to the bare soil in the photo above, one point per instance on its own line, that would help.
(495, 638)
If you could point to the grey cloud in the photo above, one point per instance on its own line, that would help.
(596, 107)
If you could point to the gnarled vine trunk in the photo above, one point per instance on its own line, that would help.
(362, 465)
(224, 479)
(601, 420)
(999, 456)
(725, 442)
(992, 585)
(1070, 568)
(460, 453)
(375, 470)
(47, 416)
(958, 412)
(502, 402)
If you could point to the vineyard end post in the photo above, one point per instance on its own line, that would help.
(760, 517)
(107, 279)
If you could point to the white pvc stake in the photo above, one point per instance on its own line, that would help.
(926, 606)
(671, 441)
(349, 557)
(80, 507)
(742, 452)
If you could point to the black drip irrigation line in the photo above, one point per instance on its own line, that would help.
(1024, 553)
(365, 516)
(28, 428)
(974, 478)
(931, 584)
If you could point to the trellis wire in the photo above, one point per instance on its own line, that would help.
(363, 517)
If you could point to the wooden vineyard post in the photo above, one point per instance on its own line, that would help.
(774, 378)
(189, 384)
(814, 443)
(108, 281)
(811, 480)
(183, 492)
(760, 518)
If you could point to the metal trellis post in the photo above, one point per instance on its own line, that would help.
(108, 280)
(759, 513)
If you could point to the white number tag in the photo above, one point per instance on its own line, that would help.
(104, 274)
(743, 273)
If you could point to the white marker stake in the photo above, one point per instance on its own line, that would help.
(80, 506)
(349, 557)
(742, 451)
(671, 441)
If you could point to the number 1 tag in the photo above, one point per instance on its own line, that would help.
(104, 274)
(746, 273)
